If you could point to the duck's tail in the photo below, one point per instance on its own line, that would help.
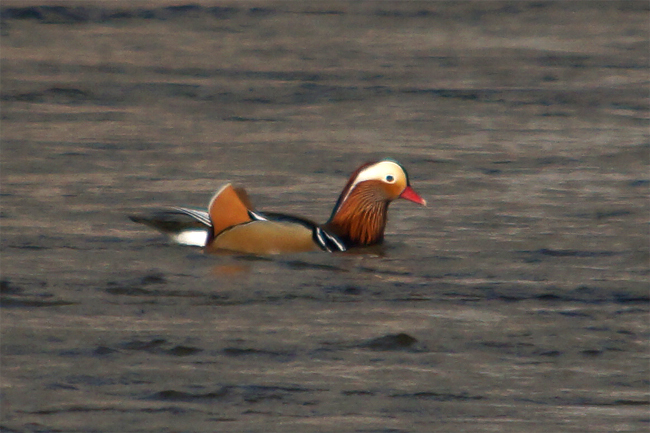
(183, 225)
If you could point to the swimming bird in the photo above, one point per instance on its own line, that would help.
(230, 223)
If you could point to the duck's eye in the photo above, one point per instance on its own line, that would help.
(390, 178)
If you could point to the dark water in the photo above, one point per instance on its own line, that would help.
(517, 301)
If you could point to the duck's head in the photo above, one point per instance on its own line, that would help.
(382, 181)
(360, 212)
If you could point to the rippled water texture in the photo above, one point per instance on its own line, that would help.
(516, 302)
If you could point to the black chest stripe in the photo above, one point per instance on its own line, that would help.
(327, 242)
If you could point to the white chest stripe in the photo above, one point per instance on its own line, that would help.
(326, 241)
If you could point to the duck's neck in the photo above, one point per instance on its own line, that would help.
(359, 218)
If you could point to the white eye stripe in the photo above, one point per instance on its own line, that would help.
(378, 172)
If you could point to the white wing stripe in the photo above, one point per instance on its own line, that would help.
(256, 216)
(199, 215)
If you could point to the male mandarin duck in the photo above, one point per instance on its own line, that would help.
(358, 218)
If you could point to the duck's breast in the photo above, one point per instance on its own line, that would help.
(265, 237)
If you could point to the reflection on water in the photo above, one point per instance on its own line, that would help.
(230, 269)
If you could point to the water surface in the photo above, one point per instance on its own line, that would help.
(517, 301)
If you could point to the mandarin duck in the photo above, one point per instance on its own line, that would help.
(230, 223)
